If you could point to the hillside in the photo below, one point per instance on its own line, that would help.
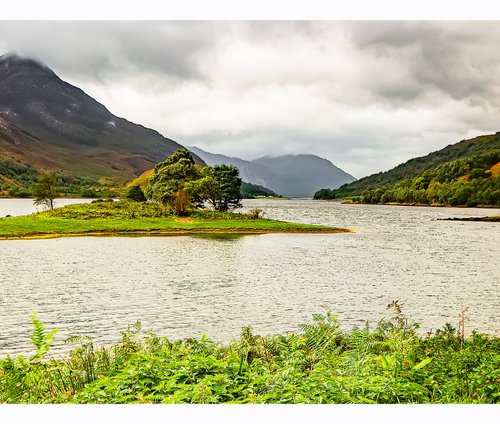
(288, 175)
(48, 124)
(301, 175)
(465, 173)
(251, 191)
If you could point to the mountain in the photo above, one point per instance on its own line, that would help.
(288, 175)
(464, 173)
(49, 124)
(301, 175)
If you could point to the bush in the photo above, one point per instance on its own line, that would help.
(255, 213)
(136, 194)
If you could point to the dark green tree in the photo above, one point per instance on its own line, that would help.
(135, 193)
(220, 186)
(478, 173)
(170, 177)
(45, 190)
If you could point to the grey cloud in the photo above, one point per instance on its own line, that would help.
(113, 49)
(457, 58)
(391, 33)
(365, 95)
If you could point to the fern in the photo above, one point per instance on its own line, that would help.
(361, 340)
(41, 338)
(360, 345)
(323, 334)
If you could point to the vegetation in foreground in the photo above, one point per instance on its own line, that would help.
(319, 364)
(463, 174)
(127, 216)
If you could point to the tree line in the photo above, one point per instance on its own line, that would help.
(19, 180)
(371, 188)
(467, 181)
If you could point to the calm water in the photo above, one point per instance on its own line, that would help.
(187, 286)
(15, 207)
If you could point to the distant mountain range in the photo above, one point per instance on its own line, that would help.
(289, 175)
(464, 173)
(49, 124)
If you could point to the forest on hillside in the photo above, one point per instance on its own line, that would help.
(462, 174)
(17, 179)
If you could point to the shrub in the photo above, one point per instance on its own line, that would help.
(136, 194)
(255, 213)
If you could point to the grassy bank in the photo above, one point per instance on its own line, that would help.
(319, 364)
(128, 217)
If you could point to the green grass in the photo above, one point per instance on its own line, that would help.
(319, 364)
(139, 218)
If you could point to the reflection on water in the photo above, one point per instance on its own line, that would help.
(221, 237)
(189, 285)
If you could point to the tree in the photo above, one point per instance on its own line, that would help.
(45, 190)
(178, 183)
(181, 202)
(135, 193)
(170, 177)
(220, 186)
(478, 173)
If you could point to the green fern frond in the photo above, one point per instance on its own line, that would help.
(41, 339)
(323, 333)
(37, 337)
(360, 340)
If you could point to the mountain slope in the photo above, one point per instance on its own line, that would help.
(459, 174)
(50, 124)
(251, 191)
(301, 175)
(288, 175)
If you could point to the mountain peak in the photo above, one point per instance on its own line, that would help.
(13, 62)
(52, 124)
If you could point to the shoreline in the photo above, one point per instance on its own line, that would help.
(179, 232)
(345, 202)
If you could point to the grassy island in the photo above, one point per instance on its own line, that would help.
(127, 217)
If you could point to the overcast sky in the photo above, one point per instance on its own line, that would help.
(365, 95)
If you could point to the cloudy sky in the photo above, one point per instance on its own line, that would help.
(365, 95)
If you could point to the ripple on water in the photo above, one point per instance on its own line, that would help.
(187, 286)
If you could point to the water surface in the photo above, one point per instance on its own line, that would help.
(185, 286)
(16, 207)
